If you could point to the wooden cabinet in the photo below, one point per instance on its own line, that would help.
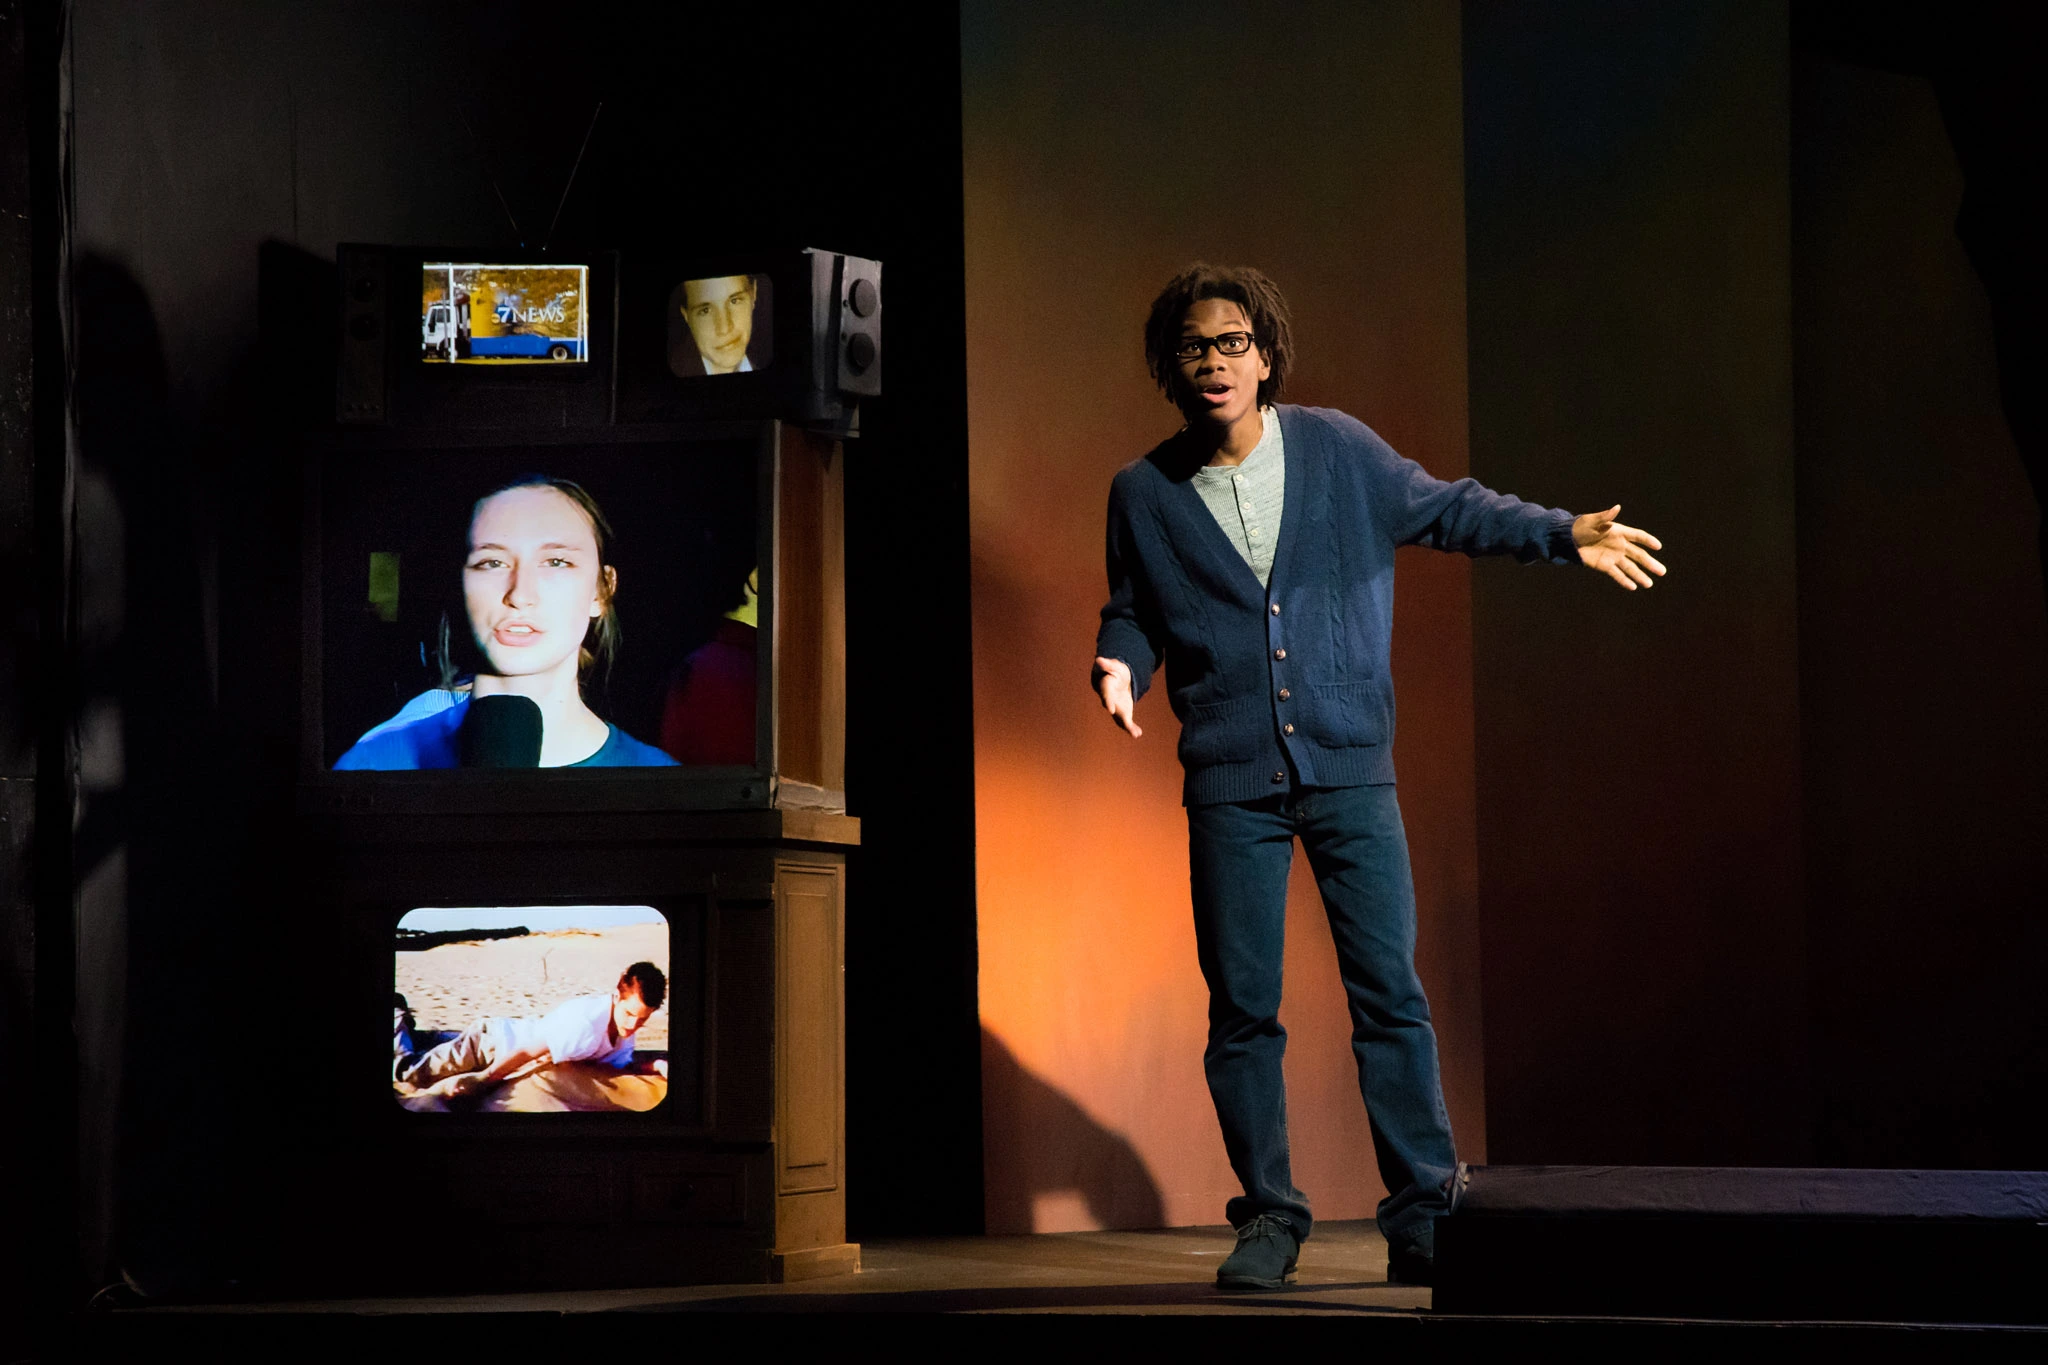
(738, 1175)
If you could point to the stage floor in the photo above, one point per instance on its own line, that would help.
(1070, 1294)
(1343, 1270)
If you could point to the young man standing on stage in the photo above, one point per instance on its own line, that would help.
(1253, 554)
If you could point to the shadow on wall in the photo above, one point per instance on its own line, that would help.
(148, 836)
(1052, 1168)
(1983, 74)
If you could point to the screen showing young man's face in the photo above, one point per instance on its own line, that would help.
(722, 319)
(532, 1009)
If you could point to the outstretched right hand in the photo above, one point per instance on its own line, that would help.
(1113, 685)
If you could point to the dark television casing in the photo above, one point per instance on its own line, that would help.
(756, 784)
(827, 329)
(826, 320)
(382, 380)
(792, 416)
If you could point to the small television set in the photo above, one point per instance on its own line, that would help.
(795, 335)
(474, 338)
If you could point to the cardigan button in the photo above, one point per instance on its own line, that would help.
(1287, 729)
(1276, 608)
(1279, 777)
(1285, 694)
(1279, 653)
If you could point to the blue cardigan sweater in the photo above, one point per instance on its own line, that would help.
(1294, 674)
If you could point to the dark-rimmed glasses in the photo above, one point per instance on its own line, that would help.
(1226, 343)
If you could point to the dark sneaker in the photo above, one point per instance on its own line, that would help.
(1406, 1265)
(1265, 1255)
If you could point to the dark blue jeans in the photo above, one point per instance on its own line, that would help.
(1238, 857)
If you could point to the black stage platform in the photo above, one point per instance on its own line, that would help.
(1747, 1243)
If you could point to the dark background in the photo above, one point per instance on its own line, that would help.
(1783, 906)
(1628, 245)
(1762, 865)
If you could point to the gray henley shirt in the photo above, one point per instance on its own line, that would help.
(1247, 498)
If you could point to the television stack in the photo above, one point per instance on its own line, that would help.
(572, 753)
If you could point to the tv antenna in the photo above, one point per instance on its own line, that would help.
(491, 174)
(570, 183)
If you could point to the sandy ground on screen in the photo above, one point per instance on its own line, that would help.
(450, 986)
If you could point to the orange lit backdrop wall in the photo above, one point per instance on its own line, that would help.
(1104, 151)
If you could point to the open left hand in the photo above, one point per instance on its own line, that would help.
(1113, 685)
(1620, 552)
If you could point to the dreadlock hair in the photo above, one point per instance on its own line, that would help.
(1250, 290)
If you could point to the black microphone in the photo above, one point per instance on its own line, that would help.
(501, 731)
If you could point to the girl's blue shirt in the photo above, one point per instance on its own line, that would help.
(433, 741)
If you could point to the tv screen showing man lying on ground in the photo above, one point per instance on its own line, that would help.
(504, 314)
(531, 1009)
(559, 608)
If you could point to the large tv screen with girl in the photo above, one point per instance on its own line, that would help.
(563, 608)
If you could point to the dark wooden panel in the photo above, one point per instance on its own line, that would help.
(810, 612)
(809, 1038)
